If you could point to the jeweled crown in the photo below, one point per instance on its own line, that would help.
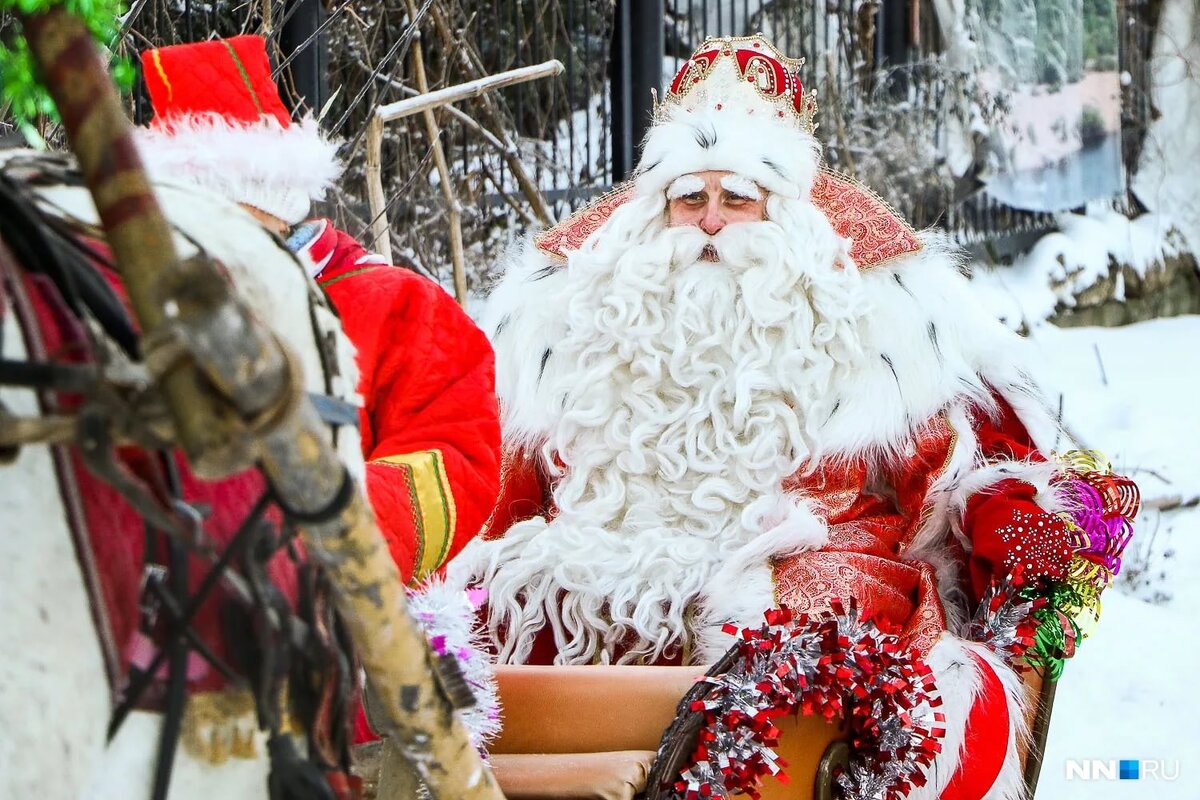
(723, 67)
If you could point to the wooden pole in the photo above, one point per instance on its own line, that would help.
(421, 103)
(381, 240)
(453, 209)
(466, 91)
(505, 147)
(230, 385)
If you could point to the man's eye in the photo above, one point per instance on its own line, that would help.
(736, 200)
(694, 199)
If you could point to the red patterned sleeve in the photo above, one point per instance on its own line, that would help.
(431, 430)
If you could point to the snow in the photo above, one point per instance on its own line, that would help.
(1124, 696)
(1169, 171)
(1131, 393)
(1063, 263)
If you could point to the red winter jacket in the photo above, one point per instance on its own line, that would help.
(430, 419)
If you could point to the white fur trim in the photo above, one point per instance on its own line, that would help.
(1038, 474)
(942, 521)
(733, 131)
(525, 318)
(958, 682)
(275, 169)
(724, 124)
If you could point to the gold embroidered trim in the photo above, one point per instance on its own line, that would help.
(437, 515)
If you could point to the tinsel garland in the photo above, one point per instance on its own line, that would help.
(20, 84)
(1038, 615)
(1006, 620)
(834, 664)
(450, 621)
(1099, 521)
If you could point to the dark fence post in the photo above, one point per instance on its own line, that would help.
(891, 42)
(638, 47)
(309, 69)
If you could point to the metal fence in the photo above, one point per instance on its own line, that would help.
(565, 124)
(873, 65)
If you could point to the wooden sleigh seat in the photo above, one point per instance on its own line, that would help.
(594, 733)
(619, 733)
(597, 733)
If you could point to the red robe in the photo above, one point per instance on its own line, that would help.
(430, 421)
(872, 520)
(873, 517)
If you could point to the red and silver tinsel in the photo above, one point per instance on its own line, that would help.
(834, 664)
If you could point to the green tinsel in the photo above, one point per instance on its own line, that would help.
(1063, 603)
(19, 81)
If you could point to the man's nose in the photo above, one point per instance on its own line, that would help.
(714, 219)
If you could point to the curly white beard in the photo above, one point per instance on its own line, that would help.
(696, 389)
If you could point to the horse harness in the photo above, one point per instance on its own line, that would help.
(99, 412)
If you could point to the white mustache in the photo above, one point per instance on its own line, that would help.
(692, 244)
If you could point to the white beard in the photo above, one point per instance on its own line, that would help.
(695, 389)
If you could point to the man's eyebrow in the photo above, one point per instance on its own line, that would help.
(741, 187)
(683, 186)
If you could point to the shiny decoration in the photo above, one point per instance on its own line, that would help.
(1005, 622)
(773, 75)
(1042, 611)
(449, 619)
(835, 664)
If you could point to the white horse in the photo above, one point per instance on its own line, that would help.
(55, 697)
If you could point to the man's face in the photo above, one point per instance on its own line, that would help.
(712, 199)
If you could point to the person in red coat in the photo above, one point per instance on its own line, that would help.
(740, 389)
(430, 427)
(429, 419)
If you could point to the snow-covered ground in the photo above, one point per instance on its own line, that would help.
(1134, 393)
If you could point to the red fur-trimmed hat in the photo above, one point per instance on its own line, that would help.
(219, 123)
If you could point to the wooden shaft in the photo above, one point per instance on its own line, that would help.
(140, 239)
(376, 200)
(414, 714)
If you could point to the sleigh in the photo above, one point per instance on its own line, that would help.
(627, 733)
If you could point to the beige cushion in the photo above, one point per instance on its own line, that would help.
(574, 776)
(587, 709)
